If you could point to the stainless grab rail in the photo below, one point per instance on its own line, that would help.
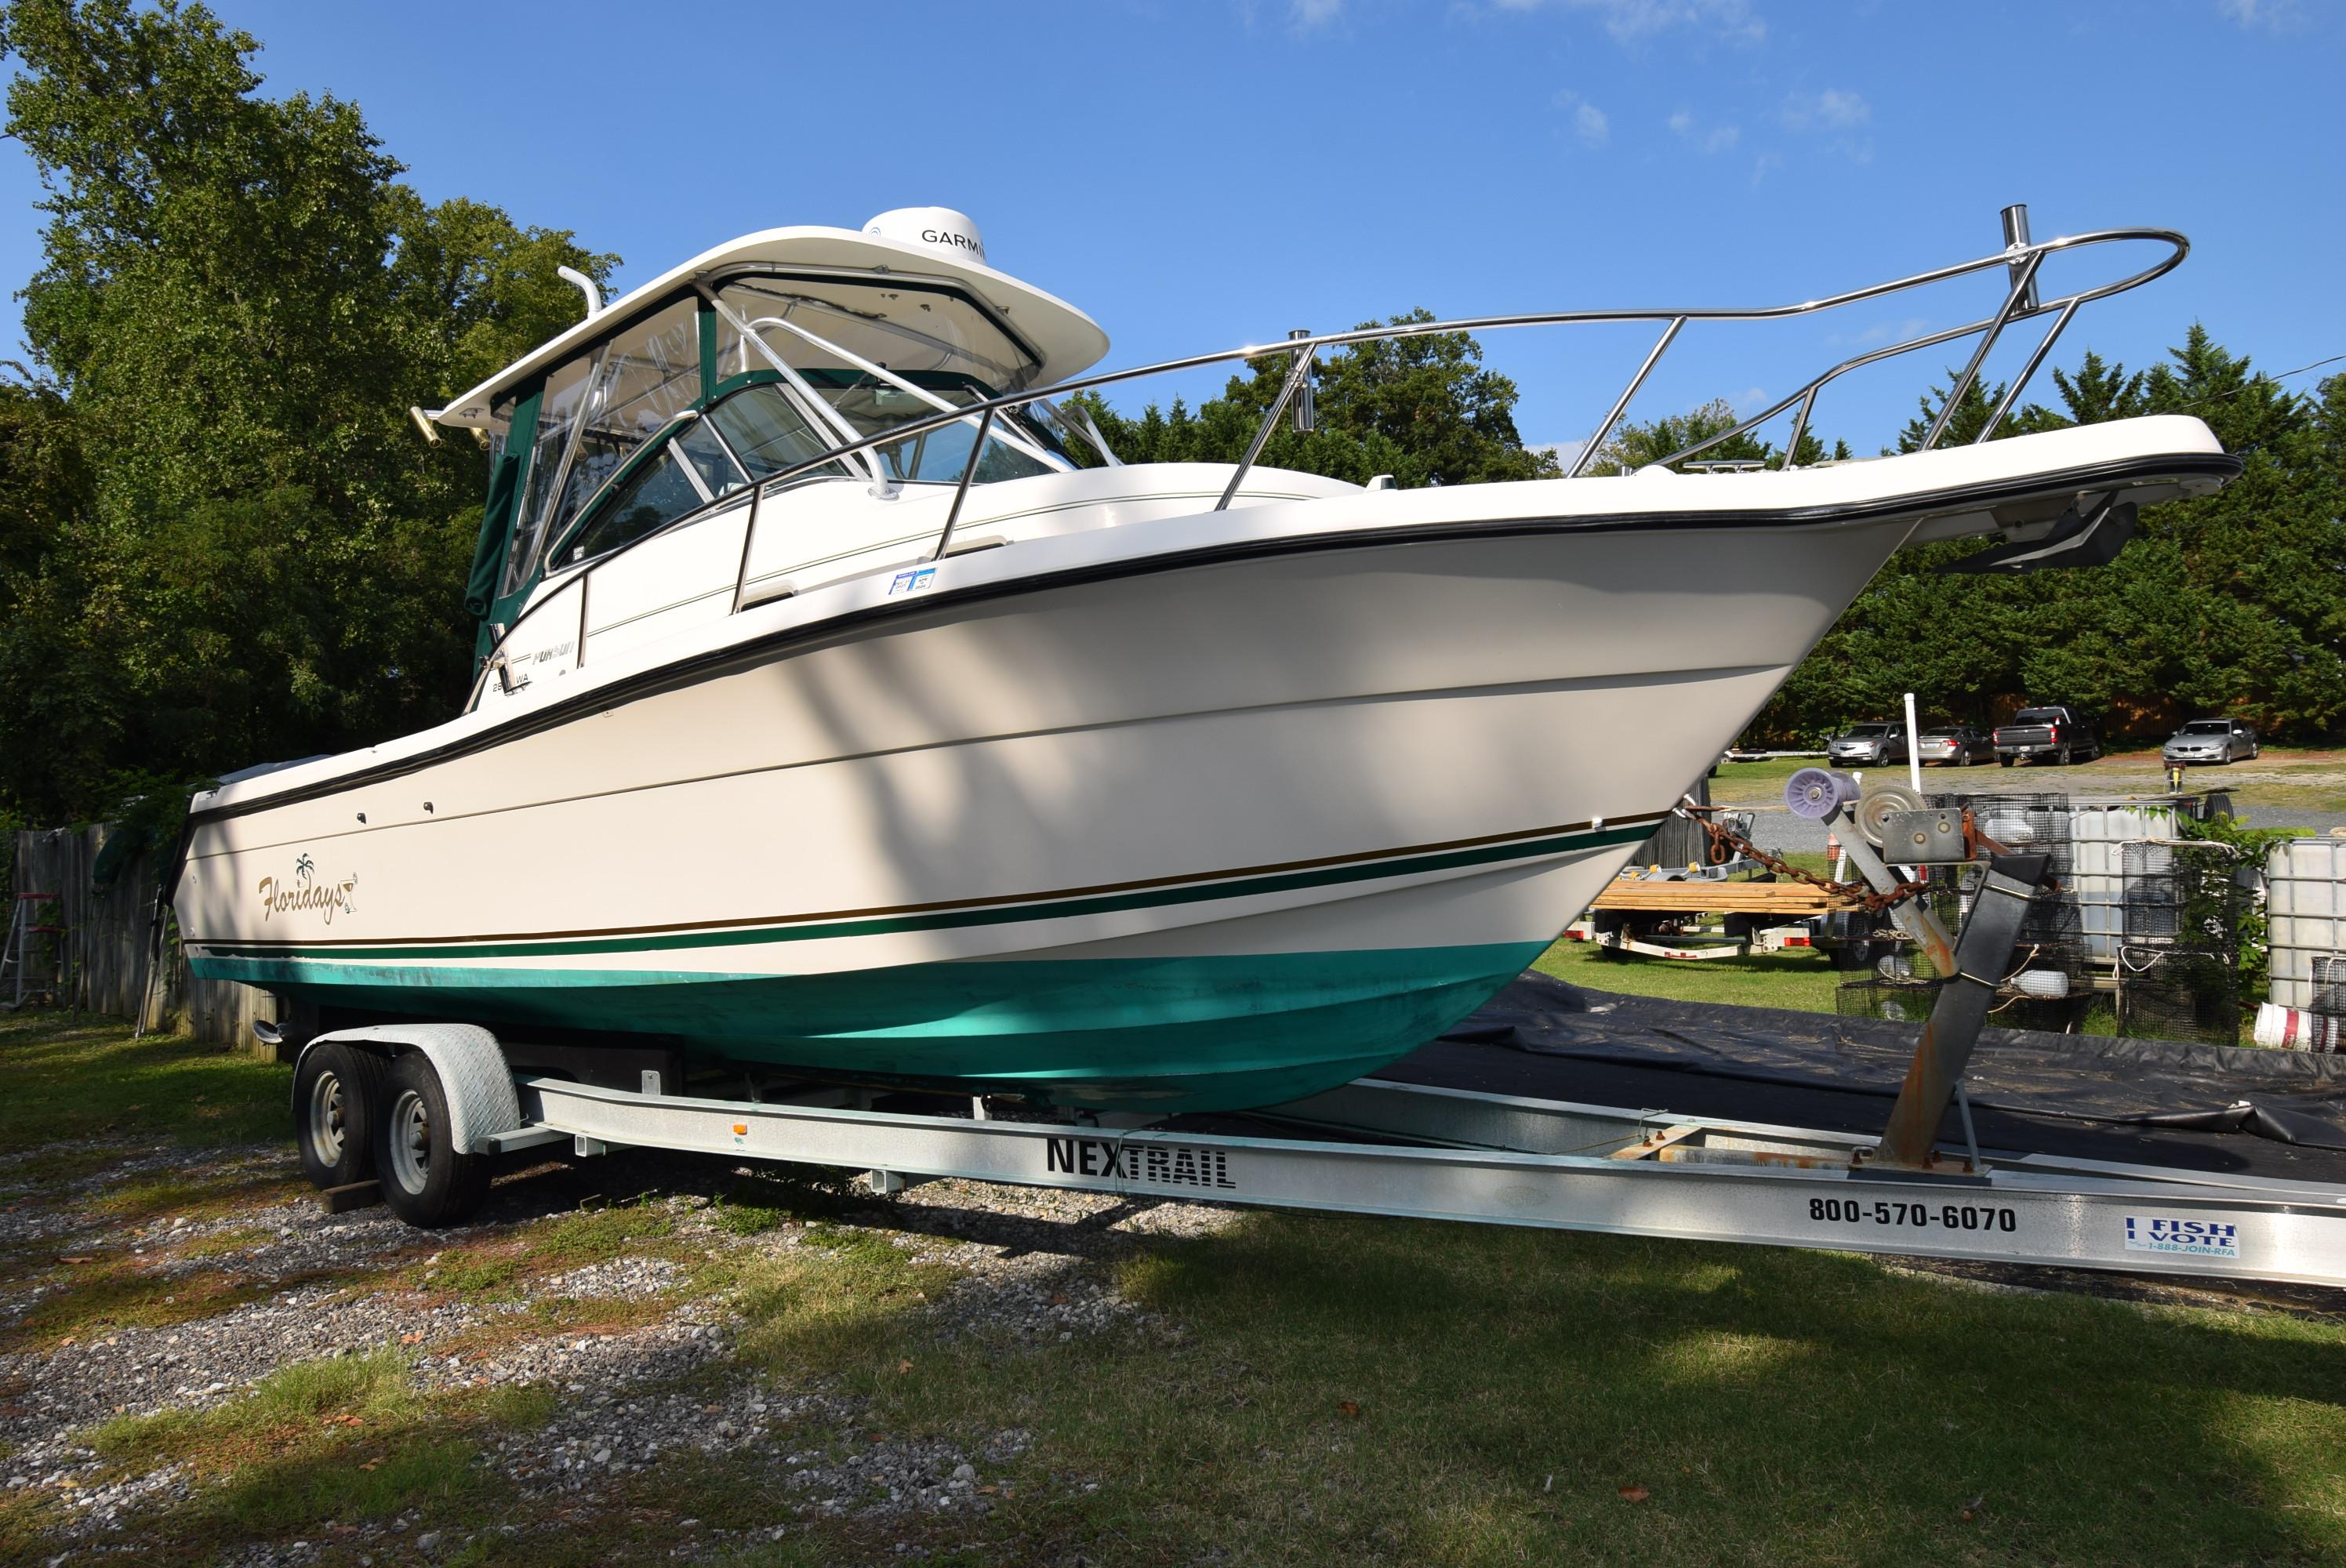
(2022, 263)
(2020, 258)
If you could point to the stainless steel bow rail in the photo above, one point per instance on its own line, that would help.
(2021, 260)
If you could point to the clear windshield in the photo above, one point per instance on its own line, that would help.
(598, 410)
(766, 431)
(875, 406)
(2037, 716)
(882, 356)
(868, 337)
(2206, 727)
(692, 471)
(904, 327)
(1868, 731)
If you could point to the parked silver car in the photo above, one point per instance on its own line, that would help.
(1956, 745)
(1868, 746)
(2205, 740)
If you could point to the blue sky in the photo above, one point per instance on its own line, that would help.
(1206, 174)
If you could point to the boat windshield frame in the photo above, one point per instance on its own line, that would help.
(787, 383)
(548, 519)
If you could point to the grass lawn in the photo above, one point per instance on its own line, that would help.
(1289, 1388)
(1802, 980)
(1365, 1391)
(67, 1078)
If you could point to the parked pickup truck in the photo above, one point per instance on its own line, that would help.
(2060, 733)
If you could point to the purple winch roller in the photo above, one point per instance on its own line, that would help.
(1817, 792)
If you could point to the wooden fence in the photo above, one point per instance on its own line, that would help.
(108, 940)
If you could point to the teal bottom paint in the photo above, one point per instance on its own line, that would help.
(1159, 1034)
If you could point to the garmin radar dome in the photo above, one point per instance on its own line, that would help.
(938, 228)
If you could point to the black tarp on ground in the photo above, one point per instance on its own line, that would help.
(2147, 1101)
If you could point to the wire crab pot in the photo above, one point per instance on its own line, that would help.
(2329, 986)
(2178, 971)
(1909, 999)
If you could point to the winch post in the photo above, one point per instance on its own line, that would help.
(1909, 915)
(1953, 1032)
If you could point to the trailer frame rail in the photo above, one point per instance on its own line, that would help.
(1379, 1147)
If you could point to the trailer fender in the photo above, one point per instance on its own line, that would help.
(480, 1087)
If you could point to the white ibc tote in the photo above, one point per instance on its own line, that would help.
(2099, 834)
(2305, 905)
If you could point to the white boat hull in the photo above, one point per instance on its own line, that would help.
(1198, 831)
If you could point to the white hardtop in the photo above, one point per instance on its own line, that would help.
(1064, 341)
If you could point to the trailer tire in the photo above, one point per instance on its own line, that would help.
(338, 1096)
(425, 1180)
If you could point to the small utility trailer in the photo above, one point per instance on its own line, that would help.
(1655, 916)
(418, 1111)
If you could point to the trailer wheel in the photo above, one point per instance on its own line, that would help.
(426, 1181)
(338, 1096)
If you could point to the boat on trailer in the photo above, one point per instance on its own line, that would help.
(846, 710)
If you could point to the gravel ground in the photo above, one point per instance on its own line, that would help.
(1027, 1266)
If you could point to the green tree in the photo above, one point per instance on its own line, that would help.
(2098, 391)
(1639, 446)
(44, 478)
(223, 540)
(1422, 408)
(2229, 604)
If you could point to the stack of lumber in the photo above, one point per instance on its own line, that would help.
(1787, 900)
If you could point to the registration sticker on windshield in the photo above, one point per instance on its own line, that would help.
(912, 582)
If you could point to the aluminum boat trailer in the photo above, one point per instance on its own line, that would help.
(434, 1102)
(1381, 1147)
(1410, 1151)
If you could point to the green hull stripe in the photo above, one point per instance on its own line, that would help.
(952, 919)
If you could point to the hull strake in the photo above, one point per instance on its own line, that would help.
(1299, 799)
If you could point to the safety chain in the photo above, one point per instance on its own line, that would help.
(1872, 902)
